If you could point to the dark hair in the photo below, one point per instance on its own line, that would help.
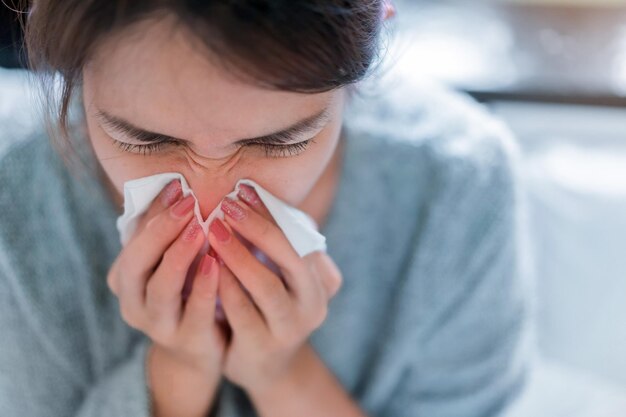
(292, 45)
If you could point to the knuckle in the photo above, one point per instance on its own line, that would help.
(318, 317)
(339, 280)
(112, 281)
(334, 277)
(162, 335)
(159, 328)
(336, 282)
(126, 266)
(321, 317)
(158, 293)
(130, 315)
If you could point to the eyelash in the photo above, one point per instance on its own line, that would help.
(271, 151)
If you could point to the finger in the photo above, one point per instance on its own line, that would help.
(241, 312)
(266, 288)
(199, 312)
(263, 234)
(146, 247)
(270, 240)
(164, 289)
(144, 251)
(331, 278)
(169, 195)
(113, 277)
(251, 199)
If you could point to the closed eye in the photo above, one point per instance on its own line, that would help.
(271, 151)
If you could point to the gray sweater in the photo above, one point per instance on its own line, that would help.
(427, 229)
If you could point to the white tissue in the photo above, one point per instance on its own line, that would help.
(299, 228)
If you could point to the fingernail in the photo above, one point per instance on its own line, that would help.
(206, 265)
(191, 231)
(171, 193)
(183, 206)
(248, 194)
(219, 230)
(233, 210)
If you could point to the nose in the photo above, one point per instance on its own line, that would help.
(210, 192)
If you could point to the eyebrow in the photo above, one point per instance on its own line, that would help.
(291, 133)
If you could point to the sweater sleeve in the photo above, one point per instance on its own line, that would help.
(40, 378)
(123, 392)
(471, 353)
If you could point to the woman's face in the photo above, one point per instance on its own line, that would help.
(152, 84)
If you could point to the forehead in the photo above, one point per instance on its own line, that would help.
(157, 75)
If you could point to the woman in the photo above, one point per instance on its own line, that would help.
(416, 309)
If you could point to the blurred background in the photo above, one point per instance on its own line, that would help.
(555, 71)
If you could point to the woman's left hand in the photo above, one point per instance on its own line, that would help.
(270, 318)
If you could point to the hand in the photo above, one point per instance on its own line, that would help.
(148, 278)
(270, 314)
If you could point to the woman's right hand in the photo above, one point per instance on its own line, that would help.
(148, 277)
